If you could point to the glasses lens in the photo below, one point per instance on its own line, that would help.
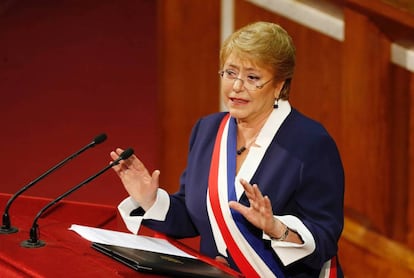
(248, 84)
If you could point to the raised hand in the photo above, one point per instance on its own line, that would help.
(139, 184)
(260, 212)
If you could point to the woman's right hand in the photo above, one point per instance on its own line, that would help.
(139, 184)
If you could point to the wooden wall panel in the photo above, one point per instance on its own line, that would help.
(399, 99)
(188, 51)
(410, 166)
(366, 120)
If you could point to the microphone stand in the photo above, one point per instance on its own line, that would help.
(6, 228)
(34, 241)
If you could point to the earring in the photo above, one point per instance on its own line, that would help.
(276, 105)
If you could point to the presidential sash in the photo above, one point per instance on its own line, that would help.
(249, 252)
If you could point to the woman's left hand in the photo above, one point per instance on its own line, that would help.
(260, 212)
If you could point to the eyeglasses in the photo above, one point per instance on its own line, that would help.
(251, 83)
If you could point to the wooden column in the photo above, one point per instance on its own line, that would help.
(188, 53)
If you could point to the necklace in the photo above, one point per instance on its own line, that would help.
(248, 144)
(245, 147)
(241, 150)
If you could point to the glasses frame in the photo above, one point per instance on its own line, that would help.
(258, 87)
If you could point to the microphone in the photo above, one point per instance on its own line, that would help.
(6, 228)
(33, 241)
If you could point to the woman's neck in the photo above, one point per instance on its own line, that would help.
(248, 128)
(247, 132)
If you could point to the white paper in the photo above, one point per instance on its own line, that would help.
(128, 240)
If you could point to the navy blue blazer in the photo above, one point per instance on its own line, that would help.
(301, 173)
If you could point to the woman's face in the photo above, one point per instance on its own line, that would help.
(244, 104)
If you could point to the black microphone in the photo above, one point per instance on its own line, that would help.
(33, 241)
(6, 228)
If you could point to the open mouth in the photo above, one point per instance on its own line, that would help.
(238, 101)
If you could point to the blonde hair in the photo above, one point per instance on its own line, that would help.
(269, 45)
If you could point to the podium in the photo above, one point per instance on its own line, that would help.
(65, 253)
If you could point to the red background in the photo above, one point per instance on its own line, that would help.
(70, 70)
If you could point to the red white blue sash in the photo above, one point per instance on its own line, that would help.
(249, 252)
(330, 269)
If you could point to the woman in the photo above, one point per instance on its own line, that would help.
(264, 184)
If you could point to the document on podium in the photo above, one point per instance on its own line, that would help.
(127, 240)
(150, 254)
